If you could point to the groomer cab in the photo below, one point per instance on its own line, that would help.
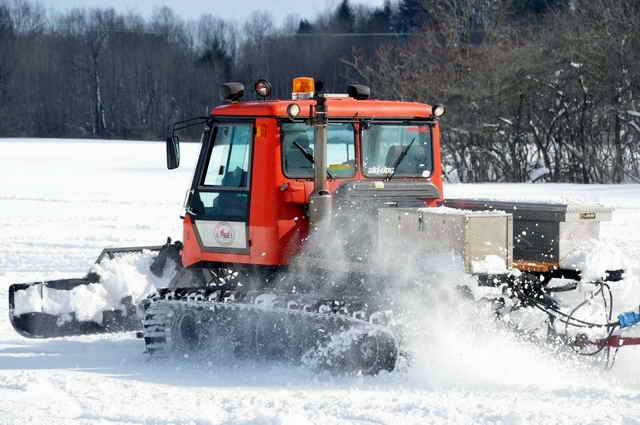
(266, 166)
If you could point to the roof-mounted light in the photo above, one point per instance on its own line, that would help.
(359, 91)
(438, 110)
(262, 88)
(232, 92)
(303, 88)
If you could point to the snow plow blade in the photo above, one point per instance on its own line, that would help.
(37, 309)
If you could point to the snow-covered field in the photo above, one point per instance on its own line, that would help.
(62, 201)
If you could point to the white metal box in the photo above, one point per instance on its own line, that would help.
(545, 232)
(445, 238)
(581, 224)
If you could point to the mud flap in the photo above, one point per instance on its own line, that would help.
(39, 324)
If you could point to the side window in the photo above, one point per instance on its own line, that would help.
(297, 150)
(223, 193)
(229, 160)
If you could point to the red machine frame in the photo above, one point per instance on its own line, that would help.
(275, 234)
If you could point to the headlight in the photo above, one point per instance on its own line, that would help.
(439, 110)
(293, 110)
(262, 88)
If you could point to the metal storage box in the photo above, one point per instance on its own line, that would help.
(443, 237)
(544, 235)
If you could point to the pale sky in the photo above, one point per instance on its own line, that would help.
(237, 10)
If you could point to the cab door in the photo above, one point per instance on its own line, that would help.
(219, 201)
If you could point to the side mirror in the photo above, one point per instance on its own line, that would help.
(173, 152)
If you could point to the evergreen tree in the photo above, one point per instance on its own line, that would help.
(345, 19)
(217, 58)
(413, 15)
(538, 6)
(305, 27)
(380, 20)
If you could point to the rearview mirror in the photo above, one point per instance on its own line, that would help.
(173, 152)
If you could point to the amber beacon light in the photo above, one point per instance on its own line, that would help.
(303, 88)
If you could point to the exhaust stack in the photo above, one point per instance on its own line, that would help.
(320, 202)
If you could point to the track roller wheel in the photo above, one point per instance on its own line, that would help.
(372, 353)
(185, 335)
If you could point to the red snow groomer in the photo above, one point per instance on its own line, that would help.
(299, 215)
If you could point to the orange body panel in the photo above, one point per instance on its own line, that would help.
(338, 107)
(536, 266)
(277, 219)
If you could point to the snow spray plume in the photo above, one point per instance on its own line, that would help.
(128, 275)
(451, 338)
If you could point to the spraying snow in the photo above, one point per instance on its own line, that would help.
(123, 276)
(594, 258)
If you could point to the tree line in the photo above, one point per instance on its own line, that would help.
(530, 85)
(553, 89)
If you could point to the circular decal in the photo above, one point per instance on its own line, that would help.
(224, 234)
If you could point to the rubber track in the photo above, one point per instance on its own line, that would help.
(253, 330)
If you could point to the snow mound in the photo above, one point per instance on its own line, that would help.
(123, 276)
(489, 264)
(593, 258)
(129, 275)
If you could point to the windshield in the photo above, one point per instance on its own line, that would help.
(297, 148)
(399, 150)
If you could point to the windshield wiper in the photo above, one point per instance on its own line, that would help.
(309, 157)
(400, 158)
